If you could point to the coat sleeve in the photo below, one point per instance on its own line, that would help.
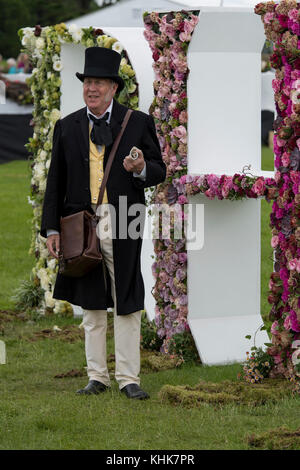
(56, 186)
(155, 166)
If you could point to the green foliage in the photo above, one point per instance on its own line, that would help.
(183, 345)
(258, 365)
(16, 14)
(27, 295)
(40, 411)
(226, 392)
(149, 338)
(280, 438)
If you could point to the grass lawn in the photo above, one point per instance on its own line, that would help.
(39, 411)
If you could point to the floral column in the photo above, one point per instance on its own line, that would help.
(282, 26)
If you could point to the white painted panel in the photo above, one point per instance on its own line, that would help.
(224, 92)
(224, 276)
(222, 340)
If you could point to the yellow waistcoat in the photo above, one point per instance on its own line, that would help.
(96, 172)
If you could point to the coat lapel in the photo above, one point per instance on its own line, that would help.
(83, 134)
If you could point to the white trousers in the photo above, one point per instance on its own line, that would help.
(126, 334)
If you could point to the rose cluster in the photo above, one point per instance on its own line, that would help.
(234, 187)
(282, 26)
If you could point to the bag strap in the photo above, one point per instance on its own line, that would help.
(112, 156)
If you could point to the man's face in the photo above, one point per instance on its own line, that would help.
(98, 93)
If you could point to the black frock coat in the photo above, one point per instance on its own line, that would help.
(68, 192)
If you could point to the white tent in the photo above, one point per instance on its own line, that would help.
(129, 13)
(126, 13)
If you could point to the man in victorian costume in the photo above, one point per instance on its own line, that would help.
(81, 145)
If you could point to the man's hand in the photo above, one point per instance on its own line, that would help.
(134, 166)
(53, 244)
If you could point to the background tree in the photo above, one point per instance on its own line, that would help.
(16, 14)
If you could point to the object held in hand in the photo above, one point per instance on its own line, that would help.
(133, 153)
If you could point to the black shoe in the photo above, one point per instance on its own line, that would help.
(134, 391)
(93, 388)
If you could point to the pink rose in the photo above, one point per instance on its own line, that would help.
(292, 264)
(183, 117)
(188, 27)
(163, 276)
(268, 17)
(182, 200)
(184, 37)
(276, 85)
(274, 328)
(277, 176)
(285, 159)
(274, 241)
(293, 14)
(180, 133)
(259, 187)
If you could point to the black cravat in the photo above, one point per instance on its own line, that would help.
(101, 132)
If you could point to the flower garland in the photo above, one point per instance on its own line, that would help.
(43, 46)
(230, 187)
(282, 26)
(169, 36)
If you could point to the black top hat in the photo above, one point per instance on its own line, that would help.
(102, 63)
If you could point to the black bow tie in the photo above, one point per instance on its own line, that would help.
(101, 132)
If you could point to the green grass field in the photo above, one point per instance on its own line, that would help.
(39, 411)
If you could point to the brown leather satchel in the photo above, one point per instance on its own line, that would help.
(79, 244)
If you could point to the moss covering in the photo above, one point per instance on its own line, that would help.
(280, 438)
(241, 393)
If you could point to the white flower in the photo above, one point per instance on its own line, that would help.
(59, 307)
(43, 277)
(48, 164)
(43, 155)
(38, 170)
(123, 62)
(26, 41)
(40, 43)
(36, 54)
(30, 201)
(57, 66)
(54, 115)
(50, 302)
(295, 96)
(42, 185)
(28, 31)
(55, 58)
(117, 46)
(72, 28)
(51, 264)
(296, 84)
(77, 35)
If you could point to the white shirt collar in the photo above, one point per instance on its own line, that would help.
(108, 110)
